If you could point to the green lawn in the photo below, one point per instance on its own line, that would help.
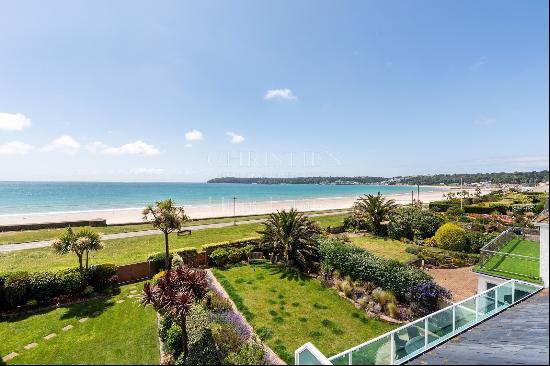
(122, 251)
(131, 250)
(384, 247)
(297, 309)
(123, 333)
(514, 267)
(25, 236)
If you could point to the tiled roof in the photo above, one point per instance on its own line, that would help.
(519, 335)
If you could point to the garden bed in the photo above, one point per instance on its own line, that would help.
(288, 309)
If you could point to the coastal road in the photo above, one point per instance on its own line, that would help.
(6, 248)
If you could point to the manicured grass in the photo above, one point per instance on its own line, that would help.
(122, 251)
(123, 333)
(25, 236)
(297, 309)
(384, 247)
(129, 250)
(515, 267)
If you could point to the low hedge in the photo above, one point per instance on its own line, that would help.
(158, 260)
(209, 248)
(224, 256)
(488, 208)
(359, 264)
(441, 206)
(18, 288)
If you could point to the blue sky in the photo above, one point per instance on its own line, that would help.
(186, 91)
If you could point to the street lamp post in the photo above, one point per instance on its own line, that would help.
(234, 210)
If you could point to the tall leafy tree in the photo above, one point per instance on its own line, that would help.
(166, 217)
(292, 238)
(374, 209)
(175, 293)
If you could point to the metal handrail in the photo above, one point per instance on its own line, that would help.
(427, 317)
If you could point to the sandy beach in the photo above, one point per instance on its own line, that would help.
(133, 215)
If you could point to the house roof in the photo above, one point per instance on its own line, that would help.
(519, 335)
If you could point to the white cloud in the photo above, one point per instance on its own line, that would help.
(188, 145)
(148, 171)
(64, 144)
(235, 138)
(136, 148)
(96, 147)
(14, 122)
(279, 94)
(15, 148)
(193, 135)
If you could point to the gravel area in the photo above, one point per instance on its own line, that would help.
(462, 282)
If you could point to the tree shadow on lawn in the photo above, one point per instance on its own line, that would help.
(286, 273)
(82, 309)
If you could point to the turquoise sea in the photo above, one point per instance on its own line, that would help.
(45, 197)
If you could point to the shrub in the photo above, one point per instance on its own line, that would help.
(476, 240)
(224, 256)
(173, 340)
(362, 265)
(441, 206)
(16, 288)
(165, 325)
(425, 296)
(216, 303)
(392, 310)
(264, 333)
(159, 275)
(251, 353)
(413, 222)
(177, 261)
(412, 250)
(227, 337)
(158, 261)
(219, 257)
(451, 237)
(69, 282)
(3, 303)
(488, 208)
(88, 291)
(202, 349)
(42, 286)
(100, 275)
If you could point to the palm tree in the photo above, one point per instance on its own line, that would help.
(374, 209)
(175, 294)
(89, 240)
(291, 237)
(167, 218)
(68, 243)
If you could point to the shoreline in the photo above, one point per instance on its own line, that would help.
(133, 215)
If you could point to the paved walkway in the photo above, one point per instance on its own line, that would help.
(6, 248)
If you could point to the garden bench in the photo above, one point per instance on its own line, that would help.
(184, 232)
(255, 257)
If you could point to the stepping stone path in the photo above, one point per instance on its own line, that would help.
(82, 320)
(96, 313)
(30, 346)
(120, 301)
(10, 357)
(50, 336)
(133, 291)
(68, 327)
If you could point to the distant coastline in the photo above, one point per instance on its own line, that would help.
(523, 178)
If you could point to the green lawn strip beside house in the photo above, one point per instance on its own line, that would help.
(384, 247)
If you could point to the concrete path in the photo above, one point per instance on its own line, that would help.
(6, 248)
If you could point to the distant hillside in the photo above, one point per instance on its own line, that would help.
(526, 178)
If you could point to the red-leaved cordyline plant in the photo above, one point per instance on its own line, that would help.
(174, 294)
